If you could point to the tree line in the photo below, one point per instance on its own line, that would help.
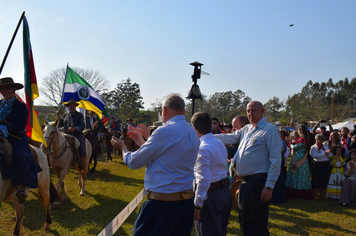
(326, 100)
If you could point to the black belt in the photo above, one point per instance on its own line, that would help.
(255, 176)
(222, 184)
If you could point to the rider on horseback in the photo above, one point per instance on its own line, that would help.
(73, 123)
(13, 121)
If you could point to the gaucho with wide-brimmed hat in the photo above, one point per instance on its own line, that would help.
(73, 124)
(13, 121)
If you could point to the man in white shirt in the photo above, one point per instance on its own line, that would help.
(213, 199)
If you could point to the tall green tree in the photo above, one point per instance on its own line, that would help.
(125, 99)
(273, 109)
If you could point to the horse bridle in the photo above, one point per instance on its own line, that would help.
(62, 148)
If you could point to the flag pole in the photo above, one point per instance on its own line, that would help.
(10, 45)
(64, 84)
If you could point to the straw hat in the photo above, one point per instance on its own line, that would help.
(234, 189)
(9, 81)
(157, 124)
(71, 101)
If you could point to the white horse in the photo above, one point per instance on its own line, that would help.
(46, 192)
(62, 158)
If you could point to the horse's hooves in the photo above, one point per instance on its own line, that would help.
(47, 227)
(92, 170)
(55, 205)
(81, 194)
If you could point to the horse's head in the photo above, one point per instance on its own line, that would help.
(50, 131)
(98, 125)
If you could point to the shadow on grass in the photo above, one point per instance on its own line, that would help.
(92, 219)
(295, 217)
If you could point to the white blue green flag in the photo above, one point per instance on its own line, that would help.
(75, 87)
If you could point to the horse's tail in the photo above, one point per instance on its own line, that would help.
(53, 193)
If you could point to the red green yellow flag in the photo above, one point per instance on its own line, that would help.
(33, 128)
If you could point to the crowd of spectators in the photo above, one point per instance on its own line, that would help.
(321, 163)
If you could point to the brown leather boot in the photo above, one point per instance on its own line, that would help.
(21, 194)
(81, 161)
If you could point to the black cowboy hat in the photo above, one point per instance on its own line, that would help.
(9, 81)
(72, 101)
(113, 118)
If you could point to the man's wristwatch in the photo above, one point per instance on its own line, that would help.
(268, 188)
(197, 207)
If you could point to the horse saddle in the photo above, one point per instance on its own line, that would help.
(73, 144)
(73, 141)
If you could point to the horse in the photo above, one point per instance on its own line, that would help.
(92, 135)
(107, 141)
(62, 158)
(46, 190)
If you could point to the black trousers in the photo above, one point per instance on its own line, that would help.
(160, 218)
(215, 213)
(253, 213)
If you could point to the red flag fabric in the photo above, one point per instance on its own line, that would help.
(33, 128)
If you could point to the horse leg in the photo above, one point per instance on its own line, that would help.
(108, 153)
(60, 184)
(20, 212)
(95, 157)
(44, 193)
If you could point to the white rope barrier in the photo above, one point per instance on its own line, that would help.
(115, 224)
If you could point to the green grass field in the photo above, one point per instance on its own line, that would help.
(114, 185)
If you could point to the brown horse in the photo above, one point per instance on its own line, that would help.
(62, 158)
(106, 139)
(92, 135)
(46, 191)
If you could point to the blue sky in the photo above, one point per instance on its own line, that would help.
(246, 45)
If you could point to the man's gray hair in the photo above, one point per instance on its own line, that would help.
(174, 102)
(319, 136)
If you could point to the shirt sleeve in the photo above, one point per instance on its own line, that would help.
(274, 146)
(4, 131)
(202, 175)
(155, 145)
(228, 139)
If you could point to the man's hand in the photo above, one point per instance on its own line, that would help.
(196, 214)
(134, 129)
(137, 137)
(58, 113)
(266, 195)
(117, 143)
(145, 131)
(71, 129)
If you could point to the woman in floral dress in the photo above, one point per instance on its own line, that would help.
(298, 184)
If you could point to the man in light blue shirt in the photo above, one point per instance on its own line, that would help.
(169, 155)
(258, 161)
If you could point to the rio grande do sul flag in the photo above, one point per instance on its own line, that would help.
(75, 87)
(33, 128)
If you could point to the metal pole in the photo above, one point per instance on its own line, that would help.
(12, 40)
(193, 106)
